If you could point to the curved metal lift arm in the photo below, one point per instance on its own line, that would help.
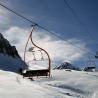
(30, 37)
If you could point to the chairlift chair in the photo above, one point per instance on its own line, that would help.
(37, 72)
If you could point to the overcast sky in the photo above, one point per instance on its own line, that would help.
(57, 17)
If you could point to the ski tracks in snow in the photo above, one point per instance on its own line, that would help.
(57, 92)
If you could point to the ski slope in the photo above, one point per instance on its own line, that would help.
(62, 84)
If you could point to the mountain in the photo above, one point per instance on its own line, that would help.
(6, 48)
(9, 57)
(66, 65)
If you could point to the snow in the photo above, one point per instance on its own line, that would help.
(14, 86)
(62, 84)
(8, 63)
(36, 67)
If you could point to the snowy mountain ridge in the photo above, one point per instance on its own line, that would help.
(67, 65)
(6, 48)
(9, 57)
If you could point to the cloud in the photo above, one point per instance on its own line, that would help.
(59, 50)
(4, 19)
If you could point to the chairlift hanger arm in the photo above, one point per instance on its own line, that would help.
(33, 27)
(30, 38)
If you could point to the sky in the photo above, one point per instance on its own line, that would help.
(55, 15)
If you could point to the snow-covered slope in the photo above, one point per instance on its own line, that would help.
(9, 57)
(9, 63)
(62, 84)
(14, 86)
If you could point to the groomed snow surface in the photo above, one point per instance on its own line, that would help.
(62, 84)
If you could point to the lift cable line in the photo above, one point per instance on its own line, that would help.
(17, 13)
(73, 12)
(78, 19)
(43, 28)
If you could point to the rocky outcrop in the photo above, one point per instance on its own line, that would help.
(6, 48)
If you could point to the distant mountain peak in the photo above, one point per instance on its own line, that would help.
(66, 65)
